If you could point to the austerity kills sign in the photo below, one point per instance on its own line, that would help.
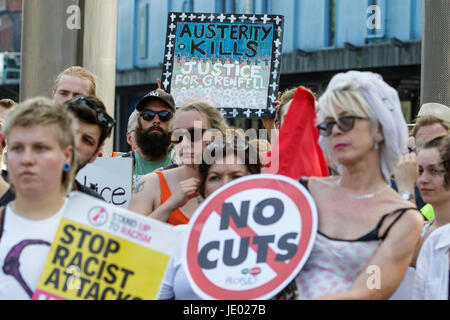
(250, 238)
(231, 61)
(103, 252)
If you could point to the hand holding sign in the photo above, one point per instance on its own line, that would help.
(250, 238)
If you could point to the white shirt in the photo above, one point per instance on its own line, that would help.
(432, 268)
(175, 283)
(29, 241)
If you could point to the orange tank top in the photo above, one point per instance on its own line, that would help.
(176, 217)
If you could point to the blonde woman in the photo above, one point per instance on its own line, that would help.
(172, 195)
(41, 164)
(367, 232)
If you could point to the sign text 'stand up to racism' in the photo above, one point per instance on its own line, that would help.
(102, 252)
(232, 62)
(250, 238)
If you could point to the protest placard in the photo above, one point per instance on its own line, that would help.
(111, 178)
(227, 60)
(250, 238)
(103, 252)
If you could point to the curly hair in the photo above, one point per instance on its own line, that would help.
(444, 151)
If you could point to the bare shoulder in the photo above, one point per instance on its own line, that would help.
(412, 215)
(409, 225)
(146, 194)
(173, 176)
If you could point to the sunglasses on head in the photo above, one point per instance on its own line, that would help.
(345, 123)
(149, 115)
(102, 117)
(193, 134)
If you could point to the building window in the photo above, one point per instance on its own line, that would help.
(228, 6)
(188, 5)
(143, 32)
(331, 23)
(246, 7)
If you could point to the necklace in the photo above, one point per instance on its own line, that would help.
(365, 196)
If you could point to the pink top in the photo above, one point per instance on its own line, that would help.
(334, 264)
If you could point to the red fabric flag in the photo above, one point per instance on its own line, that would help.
(297, 152)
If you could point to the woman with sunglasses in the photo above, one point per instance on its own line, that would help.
(367, 232)
(229, 161)
(40, 134)
(172, 195)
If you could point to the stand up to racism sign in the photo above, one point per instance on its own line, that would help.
(230, 61)
(104, 252)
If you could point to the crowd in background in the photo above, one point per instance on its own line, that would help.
(383, 201)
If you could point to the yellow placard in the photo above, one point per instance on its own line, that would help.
(85, 263)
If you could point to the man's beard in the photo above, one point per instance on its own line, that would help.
(152, 145)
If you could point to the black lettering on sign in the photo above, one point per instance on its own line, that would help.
(67, 231)
(228, 250)
(103, 190)
(112, 268)
(103, 297)
(186, 30)
(228, 210)
(84, 281)
(61, 254)
(101, 243)
(253, 47)
(53, 278)
(196, 47)
(212, 32)
(278, 206)
(283, 244)
(86, 266)
(222, 30)
(203, 255)
(266, 31)
(263, 243)
(83, 233)
(92, 292)
(111, 247)
(77, 259)
(126, 273)
(119, 192)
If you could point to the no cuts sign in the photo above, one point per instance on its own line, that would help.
(250, 238)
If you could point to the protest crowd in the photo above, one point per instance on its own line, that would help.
(380, 188)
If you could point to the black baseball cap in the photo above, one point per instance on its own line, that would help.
(156, 95)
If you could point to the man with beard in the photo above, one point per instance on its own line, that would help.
(154, 149)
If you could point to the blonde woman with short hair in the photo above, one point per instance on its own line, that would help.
(41, 157)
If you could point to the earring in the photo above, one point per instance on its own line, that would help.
(66, 166)
(377, 146)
